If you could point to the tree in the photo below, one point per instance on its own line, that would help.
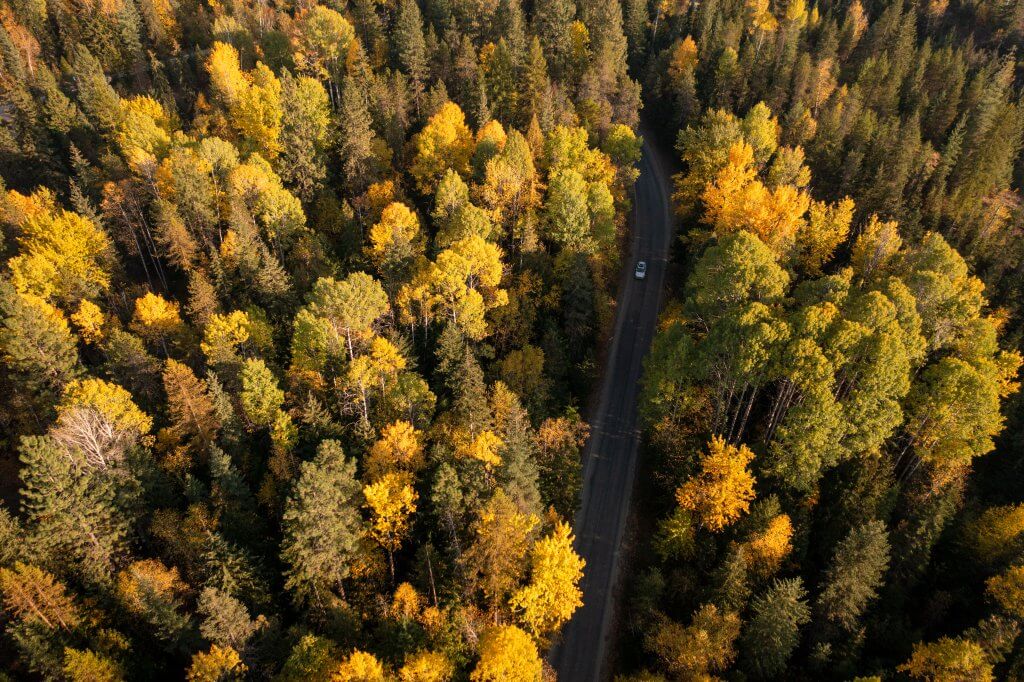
(155, 318)
(32, 594)
(101, 421)
(399, 448)
(856, 573)
(723, 489)
(773, 630)
(560, 442)
(73, 510)
(410, 48)
(62, 257)
(359, 666)
(356, 136)
(553, 593)
(391, 501)
(1007, 590)
(216, 665)
(350, 307)
(261, 398)
(39, 351)
(426, 666)
(226, 621)
(947, 660)
(705, 646)
(322, 525)
(305, 134)
(193, 415)
(89, 666)
(312, 658)
(497, 558)
(444, 143)
(507, 654)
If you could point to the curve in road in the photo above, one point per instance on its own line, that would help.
(609, 459)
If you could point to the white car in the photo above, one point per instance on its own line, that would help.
(641, 270)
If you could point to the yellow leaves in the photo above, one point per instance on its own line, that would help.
(359, 666)
(737, 200)
(507, 654)
(18, 208)
(760, 17)
(445, 142)
(553, 594)
(226, 77)
(766, 550)
(878, 242)
(384, 360)
(217, 664)
(252, 100)
(62, 256)
(143, 580)
(426, 666)
(461, 284)
(483, 447)
(392, 238)
(400, 448)
(949, 660)
(579, 42)
(110, 400)
(391, 501)
(224, 334)
(1008, 590)
(491, 136)
(34, 595)
(324, 37)
(143, 131)
(724, 488)
(89, 320)
(827, 228)
(406, 603)
(155, 317)
(683, 59)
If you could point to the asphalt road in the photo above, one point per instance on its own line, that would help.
(609, 460)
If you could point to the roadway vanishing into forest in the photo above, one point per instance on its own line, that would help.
(610, 456)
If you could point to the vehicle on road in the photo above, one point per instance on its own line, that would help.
(641, 270)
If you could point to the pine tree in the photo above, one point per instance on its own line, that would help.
(773, 630)
(857, 570)
(322, 526)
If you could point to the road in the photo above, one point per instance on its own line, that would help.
(609, 459)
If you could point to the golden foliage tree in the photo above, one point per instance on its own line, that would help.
(723, 489)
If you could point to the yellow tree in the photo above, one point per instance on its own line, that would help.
(723, 489)
(216, 664)
(399, 448)
(765, 551)
(483, 447)
(155, 318)
(99, 420)
(507, 654)
(949, 660)
(62, 257)
(395, 238)
(392, 502)
(1008, 590)
(553, 593)
(737, 200)
(426, 666)
(445, 142)
(89, 321)
(359, 666)
(223, 336)
(497, 557)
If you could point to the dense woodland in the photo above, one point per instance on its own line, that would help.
(300, 308)
(834, 442)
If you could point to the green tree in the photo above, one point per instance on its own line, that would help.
(773, 629)
(322, 526)
(852, 580)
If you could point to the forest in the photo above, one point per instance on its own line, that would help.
(303, 306)
(830, 406)
(300, 309)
